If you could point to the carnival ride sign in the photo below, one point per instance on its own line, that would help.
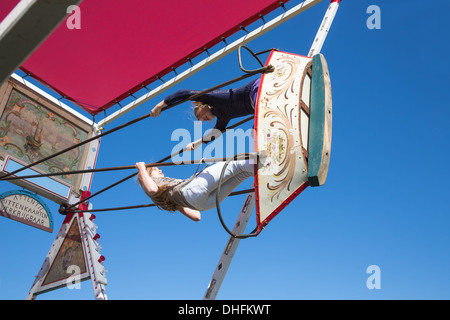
(26, 207)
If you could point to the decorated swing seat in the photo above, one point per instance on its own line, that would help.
(293, 120)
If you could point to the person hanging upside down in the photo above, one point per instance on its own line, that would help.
(198, 193)
(221, 104)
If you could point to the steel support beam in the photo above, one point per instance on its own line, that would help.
(25, 28)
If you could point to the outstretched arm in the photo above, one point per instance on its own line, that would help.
(194, 145)
(171, 99)
(209, 136)
(156, 111)
(148, 185)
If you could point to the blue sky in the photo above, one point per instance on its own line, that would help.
(384, 202)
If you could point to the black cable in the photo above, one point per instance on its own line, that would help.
(263, 69)
(219, 213)
(142, 205)
(62, 173)
(68, 207)
(193, 97)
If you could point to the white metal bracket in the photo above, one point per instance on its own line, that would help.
(230, 248)
(324, 28)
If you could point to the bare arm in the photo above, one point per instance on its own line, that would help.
(212, 134)
(145, 180)
(191, 214)
(194, 145)
(156, 111)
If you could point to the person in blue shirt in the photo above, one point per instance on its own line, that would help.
(223, 105)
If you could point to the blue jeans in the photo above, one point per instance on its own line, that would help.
(201, 191)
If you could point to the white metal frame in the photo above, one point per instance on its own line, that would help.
(241, 223)
(324, 28)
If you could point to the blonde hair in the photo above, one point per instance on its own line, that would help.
(198, 105)
(162, 198)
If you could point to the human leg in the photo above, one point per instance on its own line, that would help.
(226, 188)
(198, 191)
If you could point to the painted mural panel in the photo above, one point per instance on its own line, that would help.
(70, 254)
(29, 132)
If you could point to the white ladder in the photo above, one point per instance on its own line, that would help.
(230, 248)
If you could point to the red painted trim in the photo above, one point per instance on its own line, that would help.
(83, 206)
(68, 218)
(338, 1)
(299, 190)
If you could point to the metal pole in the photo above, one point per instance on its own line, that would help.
(324, 28)
(25, 28)
(150, 204)
(155, 164)
(134, 174)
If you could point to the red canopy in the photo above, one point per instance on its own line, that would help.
(6, 7)
(123, 45)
